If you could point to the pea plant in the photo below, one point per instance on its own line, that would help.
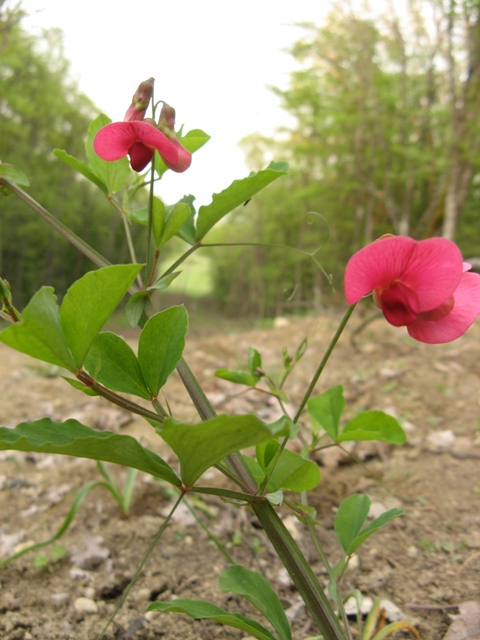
(424, 286)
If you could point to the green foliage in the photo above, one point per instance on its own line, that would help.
(325, 411)
(63, 336)
(71, 438)
(199, 609)
(250, 585)
(236, 194)
(160, 346)
(257, 590)
(350, 520)
(200, 446)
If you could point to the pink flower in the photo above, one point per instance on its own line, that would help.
(138, 139)
(424, 286)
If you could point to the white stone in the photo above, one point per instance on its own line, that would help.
(85, 605)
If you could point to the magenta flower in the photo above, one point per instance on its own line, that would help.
(138, 139)
(424, 286)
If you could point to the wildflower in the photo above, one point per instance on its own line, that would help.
(424, 286)
(138, 138)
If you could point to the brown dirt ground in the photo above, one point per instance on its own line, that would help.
(429, 558)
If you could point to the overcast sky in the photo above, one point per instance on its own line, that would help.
(212, 60)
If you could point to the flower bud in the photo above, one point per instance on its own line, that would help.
(167, 119)
(166, 124)
(140, 101)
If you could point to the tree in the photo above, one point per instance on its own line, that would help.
(386, 140)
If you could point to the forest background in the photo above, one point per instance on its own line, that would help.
(386, 140)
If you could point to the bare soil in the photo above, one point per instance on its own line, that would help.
(425, 563)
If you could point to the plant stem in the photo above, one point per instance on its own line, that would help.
(286, 548)
(299, 570)
(64, 231)
(111, 396)
(234, 461)
(181, 259)
(324, 361)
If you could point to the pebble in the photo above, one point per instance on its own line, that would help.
(85, 605)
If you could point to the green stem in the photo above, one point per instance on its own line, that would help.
(286, 548)
(64, 231)
(150, 212)
(181, 259)
(131, 248)
(300, 571)
(324, 361)
(234, 461)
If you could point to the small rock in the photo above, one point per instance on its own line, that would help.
(85, 605)
(441, 440)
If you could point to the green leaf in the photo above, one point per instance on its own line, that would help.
(72, 438)
(112, 362)
(135, 307)
(350, 518)
(76, 384)
(254, 361)
(200, 446)
(165, 281)
(239, 377)
(161, 345)
(326, 410)
(373, 425)
(236, 194)
(158, 220)
(187, 232)
(80, 167)
(266, 453)
(258, 591)
(39, 333)
(375, 525)
(139, 215)
(12, 174)
(175, 218)
(198, 610)
(291, 471)
(194, 140)
(112, 174)
(90, 301)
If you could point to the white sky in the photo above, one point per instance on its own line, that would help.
(212, 61)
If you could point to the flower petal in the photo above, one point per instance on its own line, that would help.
(151, 137)
(115, 140)
(376, 265)
(140, 156)
(399, 304)
(184, 158)
(462, 316)
(433, 271)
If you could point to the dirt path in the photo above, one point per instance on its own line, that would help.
(429, 558)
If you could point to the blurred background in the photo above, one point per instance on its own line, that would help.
(375, 105)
